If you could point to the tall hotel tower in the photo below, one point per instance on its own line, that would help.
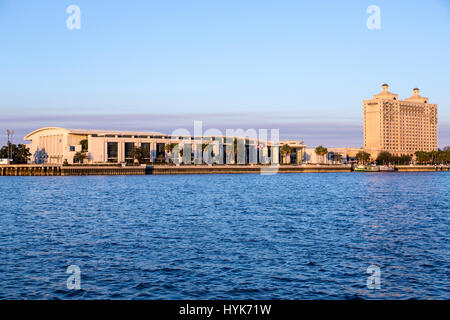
(400, 126)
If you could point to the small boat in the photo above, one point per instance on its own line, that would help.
(363, 168)
(387, 169)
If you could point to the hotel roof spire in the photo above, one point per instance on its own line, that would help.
(416, 97)
(385, 94)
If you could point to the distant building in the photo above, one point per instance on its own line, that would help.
(298, 151)
(400, 126)
(59, 145)
(347, 155)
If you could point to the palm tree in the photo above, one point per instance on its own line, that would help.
(204, 147)
(285, 151)
(79, 157)
(84, 145)
(169, 148)
(231, 156)
(337, 157)
(433, 156)
(363, 156)
(321, 151)
(139, 154)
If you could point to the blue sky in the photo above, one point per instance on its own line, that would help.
(301, 66)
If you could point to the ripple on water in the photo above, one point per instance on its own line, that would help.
(288, 236)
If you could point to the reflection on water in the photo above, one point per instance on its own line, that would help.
(288, 236)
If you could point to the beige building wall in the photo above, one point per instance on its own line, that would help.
(62, 144)
(298, 151)
(53, 140)
(400, 126)
(311, 157)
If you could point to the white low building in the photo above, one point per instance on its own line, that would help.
(59, 145)
(346, 155)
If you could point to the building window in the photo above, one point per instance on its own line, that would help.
(72, 148)
(160, 152)
(128, 149)
(146, 146)
(113, 151)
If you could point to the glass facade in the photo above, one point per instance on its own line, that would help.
(128, 150)
(146, 146)
(113, 151)
(160, 152)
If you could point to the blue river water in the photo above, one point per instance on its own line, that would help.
(243, 236)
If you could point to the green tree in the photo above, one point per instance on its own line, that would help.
(20, 154)
(443, 157)
(84, 145)
(433, 156)
(285, 151)
(402, 159)
(169, 147)
(363, 156)
(423, 157)
(139, 154)
(321, 151)
(337, 157)
(384, 157)
(79, 157)
(4, 151)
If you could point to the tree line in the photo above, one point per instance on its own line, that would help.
(20, 154)
(421, 157)
(385, 157)
(433, 157)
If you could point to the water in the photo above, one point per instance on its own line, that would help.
(288, 236)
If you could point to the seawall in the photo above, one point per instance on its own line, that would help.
(216, 169)
(84, 170)
(418, 168)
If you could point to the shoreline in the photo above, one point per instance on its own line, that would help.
(86, 170)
